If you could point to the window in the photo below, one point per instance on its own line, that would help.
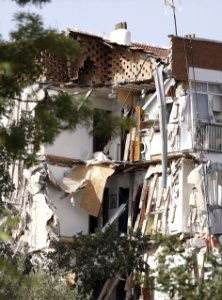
(208, 101)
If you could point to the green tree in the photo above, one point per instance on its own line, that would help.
(95, 258)
(179, 275)
(20, 66)
(39, 284)
(21, 138)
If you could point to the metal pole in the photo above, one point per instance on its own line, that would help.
(158, 78)
(174, 16)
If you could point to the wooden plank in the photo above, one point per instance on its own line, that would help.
(149, 202)
(112, 286)
(143, 202)
(145, 222)
(136, 152)
(136, 225)
(142, 214)
(155, 222)
(136, 155)
(129, 286)
(144, 192)
(127, 147)
(130, 206)
(132, 142)
(160, 198)
(104, 289)
(172, 213)
(165, 214)
(156, 157)
(151, 195)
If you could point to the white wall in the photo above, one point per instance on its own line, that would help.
(205, 75)
(72, 219)
(182, 200)
(117, 181)
(77, 144)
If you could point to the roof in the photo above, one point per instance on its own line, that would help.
(103, 62)
(159, 51)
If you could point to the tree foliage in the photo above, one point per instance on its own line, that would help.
(92, 258)
(179, 275)
(38, 284)
(36, 2)
(97, 257)
(20, 66)
(21, 138)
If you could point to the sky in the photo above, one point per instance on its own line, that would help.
(148, 20)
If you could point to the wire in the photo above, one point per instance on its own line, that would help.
(130, 90)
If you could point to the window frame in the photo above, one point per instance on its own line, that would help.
(194, 90)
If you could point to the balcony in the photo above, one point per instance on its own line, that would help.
(209, 137)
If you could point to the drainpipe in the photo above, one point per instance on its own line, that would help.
(158, 77)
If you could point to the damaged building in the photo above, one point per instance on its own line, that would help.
(164, 176)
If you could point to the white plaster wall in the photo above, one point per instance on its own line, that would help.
(77, 144)
(156, 144)
(176, 226)
(185, 137)
(72, 219)
(182, 209)
(115, 149)
(205, 75)
(117, 181)
(187, 167)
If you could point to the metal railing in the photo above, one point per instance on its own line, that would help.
(209, 137)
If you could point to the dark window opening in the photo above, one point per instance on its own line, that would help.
(101, 129)
(123, 199)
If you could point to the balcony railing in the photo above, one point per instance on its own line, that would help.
(209, 137)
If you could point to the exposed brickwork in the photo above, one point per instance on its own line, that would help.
(56, 68)
(193, 52)
(104, 63)
(130, 66)
(93, 66)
